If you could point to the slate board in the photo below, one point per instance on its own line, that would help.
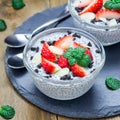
(98, 102)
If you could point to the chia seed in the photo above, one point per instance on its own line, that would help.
(36, 70)
(69, 32)
(42, 41)
(92, 70)
(33, 48)
(98, 51)
(76, 35)
(37, 49)
(31, 57)
(89, 44)
(66, 77)
(39, 66)
(78, 9)
(91, 64)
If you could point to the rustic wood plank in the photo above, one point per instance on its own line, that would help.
(8, 95)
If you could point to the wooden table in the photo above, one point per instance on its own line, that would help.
(8, 95)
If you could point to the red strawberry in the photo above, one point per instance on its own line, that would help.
(93, 6)
(84, 3)
(89, 53)
(78, 70)
(109, 14)
(75, 44)
(46, 53)
(49, 66)
(87, 50)
(63, 62)
(64, 42)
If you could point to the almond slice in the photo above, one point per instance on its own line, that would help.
(62, 72)
(56, 50)
(37, 58)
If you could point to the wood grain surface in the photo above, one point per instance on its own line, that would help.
(8, 95)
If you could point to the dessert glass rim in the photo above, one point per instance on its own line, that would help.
(93, 26)
(63, 82)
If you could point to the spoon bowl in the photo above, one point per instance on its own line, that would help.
(17, 40)
(16, 61)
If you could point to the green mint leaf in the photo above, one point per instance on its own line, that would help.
(85, 60)
(72, 61)
(78, 52)
(3, 25)
(67, 54)
(116, 1)
(7, 112)
(112, 83)
(18, 4)
(112, 4)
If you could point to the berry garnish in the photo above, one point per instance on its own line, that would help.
(109, 14)
(78, 70)
(49, 66)
(94, 6)
(47, 53)
(63, 62)
(64, 42)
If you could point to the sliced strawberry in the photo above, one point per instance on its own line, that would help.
(47, 53)
(87, 50)
(75, 44)
(64, 42)
(63, 62)
(89, 53)
(94, 6)
(109, 14)
(78, 70)
(49, 66)
(84, 3)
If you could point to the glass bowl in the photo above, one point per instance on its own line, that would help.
(107, 35)
(63, 89)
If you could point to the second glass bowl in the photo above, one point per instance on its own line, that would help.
(107, 35)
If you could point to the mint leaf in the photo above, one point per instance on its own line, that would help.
(67, 54)
(112, 83)
(78, 52)
(112, 4)
(77, 55)
(85, 60)
(3, 25)
(7, 112)
(72, 61)
(18, 4)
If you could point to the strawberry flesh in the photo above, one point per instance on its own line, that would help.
(64, 42)
(94, 6)
(46, 53)
(49, 66)
(109, 14)
(78, 70)
(63, 62)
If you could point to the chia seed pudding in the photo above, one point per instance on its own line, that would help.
(35, 55)
(99, 17)
(64, 62)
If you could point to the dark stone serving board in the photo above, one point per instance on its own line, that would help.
(98, 102)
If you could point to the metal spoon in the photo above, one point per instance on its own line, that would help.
(16, 61)
(20, 40)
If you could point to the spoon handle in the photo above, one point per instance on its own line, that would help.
(51, 22)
